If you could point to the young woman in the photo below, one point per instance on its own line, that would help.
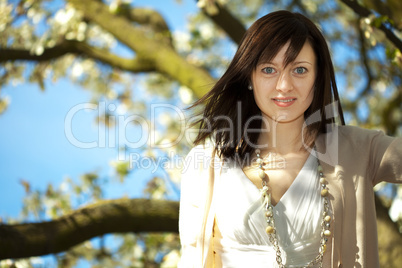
(283, 183)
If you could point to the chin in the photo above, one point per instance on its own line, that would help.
(288, 118)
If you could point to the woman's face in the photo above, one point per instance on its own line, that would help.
(282, 93)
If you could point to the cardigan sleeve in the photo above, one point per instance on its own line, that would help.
(385, 158)
(192, 201)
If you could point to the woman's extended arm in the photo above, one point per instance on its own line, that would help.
(386, 157)
(194, 184)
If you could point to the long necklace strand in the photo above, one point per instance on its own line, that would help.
(271, 229)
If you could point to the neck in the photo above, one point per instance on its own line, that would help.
(282, 137)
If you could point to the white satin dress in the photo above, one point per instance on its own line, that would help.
(241, 220)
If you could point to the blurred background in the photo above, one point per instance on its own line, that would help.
(92, 114)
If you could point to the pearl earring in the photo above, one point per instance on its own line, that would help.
(250, 87)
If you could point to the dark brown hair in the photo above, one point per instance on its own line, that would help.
(230, 98)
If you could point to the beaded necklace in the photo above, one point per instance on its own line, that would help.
(271, 229)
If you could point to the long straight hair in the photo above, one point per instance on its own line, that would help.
(229, 104)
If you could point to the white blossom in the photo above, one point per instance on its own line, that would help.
(182, 41)
(395, 211)
(5, 11)
(122, 109)
(165, 119)
(171, 259)
(63, 16)
(185, 94)
(206, 31)
(77, 70)
(39, 50)
(138, 252)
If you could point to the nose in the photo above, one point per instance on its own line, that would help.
(284, 83)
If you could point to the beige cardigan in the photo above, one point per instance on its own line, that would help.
(353, 160)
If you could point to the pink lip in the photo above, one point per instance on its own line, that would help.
(284, 102)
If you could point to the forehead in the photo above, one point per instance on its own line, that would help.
(289, 53)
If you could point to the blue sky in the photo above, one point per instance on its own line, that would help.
(34, 146)
(33, 143)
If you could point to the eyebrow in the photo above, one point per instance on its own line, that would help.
(293, 63)
(302, 61)
(266, 62)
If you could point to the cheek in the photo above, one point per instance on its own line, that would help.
(260, 98)
(310, 97)
(306, 90)
(257, 97)
(311, 93)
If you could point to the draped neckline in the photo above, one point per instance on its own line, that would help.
(292, 185)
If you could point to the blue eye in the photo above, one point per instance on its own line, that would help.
(300, 70)
(268, 70)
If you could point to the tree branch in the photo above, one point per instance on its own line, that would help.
(150, 17)
(166, 60)
(391, 122)
(135, 65)
(110, 216)
(392, 9)
(389, 237)
(227, 22)
(10, 54)
(365, 60)
(364, 12)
